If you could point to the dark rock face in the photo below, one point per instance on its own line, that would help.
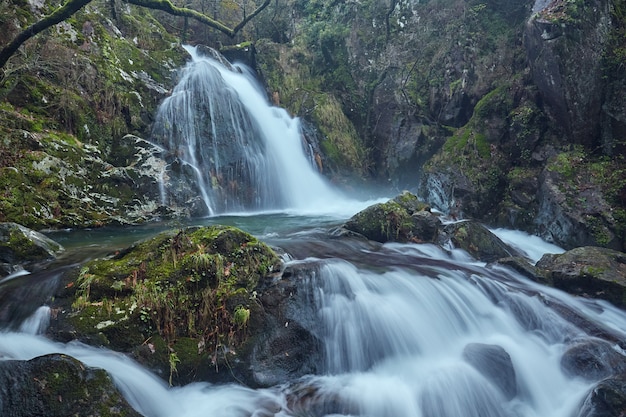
(21, 248)
(58, 386)
(495, 364)
(593, 359)
(573, 209)
(589, 271)
(565, 57)
(476, 239)
(289, 346)
(607, 399)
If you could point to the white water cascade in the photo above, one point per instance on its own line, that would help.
(244, 155)
(407, 331)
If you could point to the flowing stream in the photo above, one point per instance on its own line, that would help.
(408, 330)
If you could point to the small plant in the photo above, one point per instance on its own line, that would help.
(84, 280)
(241, 316)
(174, 361)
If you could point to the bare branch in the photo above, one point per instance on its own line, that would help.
(168, 7)
(72, 6)
(59, 15)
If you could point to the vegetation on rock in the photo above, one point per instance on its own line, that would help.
(186, 297)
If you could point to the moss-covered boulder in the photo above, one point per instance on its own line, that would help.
(589, 271)
(180, 302)
(21, 247)
(58, 386)
(476, 239)
(403, 219)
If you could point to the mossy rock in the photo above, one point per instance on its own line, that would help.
(475, 239)
(589, 271)
(403, 219)
(23, 247)
(191, 287)
(59, 385)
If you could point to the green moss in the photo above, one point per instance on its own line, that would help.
(175, 284)
(567, 163)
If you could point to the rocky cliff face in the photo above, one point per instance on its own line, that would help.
(474, 104)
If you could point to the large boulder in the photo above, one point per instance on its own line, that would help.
(495, 364)
(403, 219)
(589, 271)
(21, 248)
(182, 303)
(58, 386)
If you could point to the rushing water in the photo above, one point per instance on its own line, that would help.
(399, 324)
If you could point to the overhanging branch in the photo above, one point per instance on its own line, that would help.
(59, 15)
(72, 6)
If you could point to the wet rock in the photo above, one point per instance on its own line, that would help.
(593, 360)
(182, 303)
(58, 386)
(606, 399)
(573, 210)
(522, 266)
(476, 239)
(589, 271)
(289, 346)
(21, 248)
(403, 219)
(495, 364)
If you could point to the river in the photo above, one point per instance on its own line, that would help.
(404, 327)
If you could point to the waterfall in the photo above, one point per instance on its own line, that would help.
(222, 134)
(407, 330)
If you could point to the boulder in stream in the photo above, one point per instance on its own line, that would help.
(182, 303)
(495, 364)
(589, 271)
(402, 219)
(593, 359)
(606, 399)
(475, 239)
(21, 247)
(58, 386)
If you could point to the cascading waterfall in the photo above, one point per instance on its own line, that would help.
(244, 154)
(410, 331)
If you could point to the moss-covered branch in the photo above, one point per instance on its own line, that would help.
(59, 15)
(168, 7)
(72, 6)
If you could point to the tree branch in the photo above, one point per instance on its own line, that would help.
(251, 16)
(72, 6)
(59, 15)
(168, 7)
